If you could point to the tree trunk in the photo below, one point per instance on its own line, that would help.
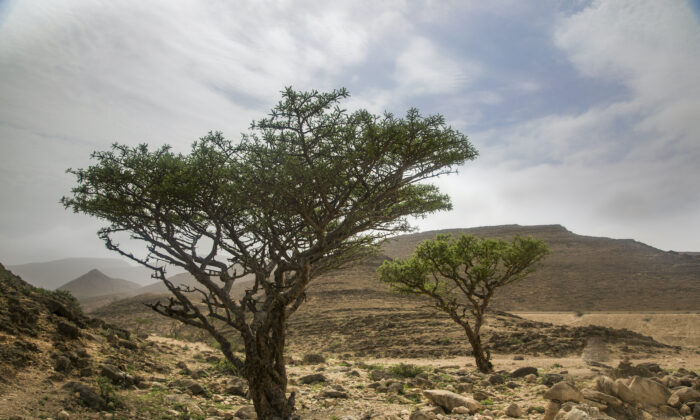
(482, 360)
(268, 393)
(265, 368)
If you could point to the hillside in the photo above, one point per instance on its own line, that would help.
(95, 283)
(52, 274)
(585, 273)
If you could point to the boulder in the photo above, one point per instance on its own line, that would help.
(312, 378)
(514, 410)
(524, 371)
(496, 379)
(247, 412)
(449, 400)
(88, 395)
(563, 391)
(683, 395)
(600, 397)
(422, 415)
(604, 384)
(331, 393)
(313, 359)
(648, 392)
(68, 329)
(622, 391)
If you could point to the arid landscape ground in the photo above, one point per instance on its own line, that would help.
(606, 329)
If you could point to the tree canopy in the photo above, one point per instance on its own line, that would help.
(461, 275)
(309, 188)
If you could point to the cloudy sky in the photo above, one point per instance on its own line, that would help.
(586, 114)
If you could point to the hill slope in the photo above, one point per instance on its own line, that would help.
(52, 274)
(588, 273)
(95, 283)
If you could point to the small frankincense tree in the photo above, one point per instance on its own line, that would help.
(461, 275)
(310, 188)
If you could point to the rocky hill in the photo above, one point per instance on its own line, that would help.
(95, 283)
(52, 274)
(586, 273)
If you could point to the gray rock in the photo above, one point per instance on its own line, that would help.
(68, 329)
(449, 400)
(563, 391)
(88, 395)
(649, 392)
(331, 393)
(524, 371)
(313, 359)
(422, 415)
(600, 397)
(62, 364)
(550, 379)
(496, 379)
(312, 378)
(683, 395)
(194, 387)
(513, 410)
(247, 412)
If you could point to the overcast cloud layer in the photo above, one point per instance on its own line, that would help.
(585, 115)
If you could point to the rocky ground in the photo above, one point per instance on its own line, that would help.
(58, 363)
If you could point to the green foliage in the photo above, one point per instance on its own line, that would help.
(225, 367)
(406, 370)
(108, 392)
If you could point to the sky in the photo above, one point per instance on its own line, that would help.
(585, 113)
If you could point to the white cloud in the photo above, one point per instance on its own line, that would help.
(422, 68)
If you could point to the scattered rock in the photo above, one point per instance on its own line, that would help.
(63, 415)
(524, 371)
(550, 379)
(606, 399)
(563, 391)
(331, 393)
(648, 392)
(62, 364)
(422, 415)
(449, 400)
(247, 412)
(67, 329)
(194, 387)
(313, 359)
(683, 395)
(496, 379)
(88, 395)
(312, 378)
(513, 410)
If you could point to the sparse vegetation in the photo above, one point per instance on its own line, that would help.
(461, 274)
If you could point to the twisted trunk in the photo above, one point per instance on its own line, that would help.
(482, 359)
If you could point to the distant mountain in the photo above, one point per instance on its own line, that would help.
(95, 283)
(52, 274)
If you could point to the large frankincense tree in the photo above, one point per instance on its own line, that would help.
(310, 188)
(461, 275)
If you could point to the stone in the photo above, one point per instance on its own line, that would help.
(88, 395)
(312, 378)
(63, 415)
(622, 391)
(683, 395)
(496, 379)
(113, 373)
(524, 371)
(604, 384)
(550, 379)
(518, 357)
(464, 388)
(395, 388)
(480, 395)
(531, 378)
(313, 359)
(598, 396)
(449, 400)
(62, 364)
(331, 393)
(68, 329)
(422, 415)
(460, 410)
(685, 410)
(563, 391)
(648, 392)
(236, 389)
(194, 387)
(514, 410)
(551, 410)
(247, 412)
